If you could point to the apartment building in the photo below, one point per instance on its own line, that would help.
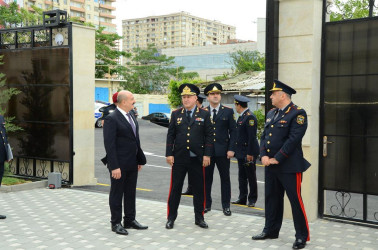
(174, 30)
(98, 12)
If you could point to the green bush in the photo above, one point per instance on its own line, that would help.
(260, 116)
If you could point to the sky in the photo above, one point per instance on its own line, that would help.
(242, 14)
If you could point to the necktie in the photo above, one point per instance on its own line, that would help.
(214, 114)
(277, 114)
(131, 123)
(188, 115)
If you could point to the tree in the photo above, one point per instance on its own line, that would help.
(243, 61)
(349, 9)
(12, 16)
(174, 97)
(5, 95)
(149, 71)
(106, 55)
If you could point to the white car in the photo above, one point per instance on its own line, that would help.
(98, 114)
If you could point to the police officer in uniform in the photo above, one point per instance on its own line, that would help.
(3, 150)
(189, 148)
(189, 189)
(246, 152)
(281, 153)
(224, 146)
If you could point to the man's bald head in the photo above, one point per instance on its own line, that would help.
(125, 100)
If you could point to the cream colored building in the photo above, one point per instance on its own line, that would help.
(174, 30)
(98, 12)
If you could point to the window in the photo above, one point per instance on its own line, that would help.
(88, 7)
(88, 16)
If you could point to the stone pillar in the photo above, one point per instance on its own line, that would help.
(83, 66)
(299, 64)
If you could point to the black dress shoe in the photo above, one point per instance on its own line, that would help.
(251, 204)
(134, 224)
(201, 223)
(227, 211)
(208, 209)
(264, 236)
(119, 229)
(169, 224)
(188, 191)
(239, 202)
(299, 244)
(2, 217)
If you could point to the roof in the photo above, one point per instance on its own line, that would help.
(246, 82)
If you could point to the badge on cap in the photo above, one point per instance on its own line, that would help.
(300, 119)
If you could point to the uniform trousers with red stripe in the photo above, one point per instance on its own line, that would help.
(276, 184)
(196, 174)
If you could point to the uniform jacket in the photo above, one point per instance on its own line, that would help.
(121, 145)
(282, 139)
(246, 140)
(224, 130)
(4, 137)
(195, 136)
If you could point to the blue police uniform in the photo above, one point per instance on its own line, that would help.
(282, 140)
(3, 146)
(246, 144)
(224, 140)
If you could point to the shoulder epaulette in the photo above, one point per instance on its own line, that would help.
(296, 107)
(247, 113)
(204, 109)
(226, 107)
(178, 109)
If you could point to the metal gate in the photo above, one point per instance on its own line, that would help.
(38, 62)
(349, 121)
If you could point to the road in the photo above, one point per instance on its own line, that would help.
(154, 178)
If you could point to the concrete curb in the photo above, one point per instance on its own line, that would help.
(23, 187)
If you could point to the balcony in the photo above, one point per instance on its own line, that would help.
(31, 9)
(48, 2)
(79, 1)
(109, 7)
(107, 15)
(108, 24)
(77, 9)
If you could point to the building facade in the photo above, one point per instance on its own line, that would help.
(208, 61)
(174, 30)
(97, 12)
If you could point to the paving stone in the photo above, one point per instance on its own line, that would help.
(74, 219)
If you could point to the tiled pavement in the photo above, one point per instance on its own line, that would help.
(74, 219)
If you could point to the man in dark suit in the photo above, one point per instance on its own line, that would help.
(3, 150)
(246, 151)
(124, 159)
(189, 190)
(189, 148)
(281, 153)
(224, 146)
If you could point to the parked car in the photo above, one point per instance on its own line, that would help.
(98, 114)
(148, 117)
(105, 111)
(161, 119)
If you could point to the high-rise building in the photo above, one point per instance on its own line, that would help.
(98, 12)
(174, 30)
